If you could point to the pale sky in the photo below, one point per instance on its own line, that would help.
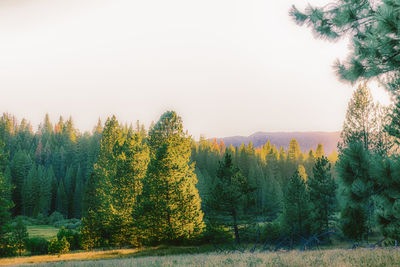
(227, 67)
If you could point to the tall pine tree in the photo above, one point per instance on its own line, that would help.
(321, 188)
(169, 206)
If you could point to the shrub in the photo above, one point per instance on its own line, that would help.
(71, 236)
(271, 231)
(250, 233)
(73, 224)
(25, 220)
(59, 246)
(19, 235)
(37, 245)
(42, 219)
(7, 247)
(216, 234)
(55, 217)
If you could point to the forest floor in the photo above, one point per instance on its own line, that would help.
(159, 257)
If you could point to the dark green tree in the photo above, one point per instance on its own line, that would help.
(322, 190)
(5, 205)
(20, 166)
(372, 27)
(227, 197)
(19, 235)
(45, 187)
(78, 197)
(296, 208)
(61, 200)
(354, 171)
(386, 171)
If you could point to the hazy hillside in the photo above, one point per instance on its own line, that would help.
(306, 140)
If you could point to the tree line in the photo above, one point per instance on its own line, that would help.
(133, 187)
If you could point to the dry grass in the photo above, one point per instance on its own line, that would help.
(77, 256)
(136, 257)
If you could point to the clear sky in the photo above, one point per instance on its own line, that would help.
(227, 67)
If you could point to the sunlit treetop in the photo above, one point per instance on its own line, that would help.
(374, 29)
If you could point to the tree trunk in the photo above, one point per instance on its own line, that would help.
(235, 227)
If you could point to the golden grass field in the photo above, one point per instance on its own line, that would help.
(142, 257)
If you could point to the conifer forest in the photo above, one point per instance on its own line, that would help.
(126, 194)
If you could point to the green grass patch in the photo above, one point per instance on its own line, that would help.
(46, 231)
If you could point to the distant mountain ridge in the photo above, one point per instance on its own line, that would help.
(307, 140)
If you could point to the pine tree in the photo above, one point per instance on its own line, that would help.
(19, 235)
(228, 194)
(360, 123)
(169, 206)
(5, 205)
(54, 186)
(30, 193)
(354, 170)
(386, 171)
(372, 29)
(117, 180)
(319, 153)
(45, 188)
(61, 200)
(302, 172)
(296, 208)
(272, 198)
(20, 167)
(294, 150)
(321, 188)
(69, 186)
(78, 194)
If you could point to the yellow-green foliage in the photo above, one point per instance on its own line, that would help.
(57, 246)
(116, 182)
(169, 207)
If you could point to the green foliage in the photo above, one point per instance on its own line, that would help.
(19, 234)
(322, 191)
(78, 195)
(393, 126)
(62, 200)
(57, 246)
(271, 231)
(364, 122)
(386, 175)
(5, 206)
(72, 237)
(372, 27)
(55, 217)
(37, 245)
(354, 170)
(228, 194)
(354, 222)
(90, 231)
(114, 186)
(216, 234)
(169, 207)
(296, 211)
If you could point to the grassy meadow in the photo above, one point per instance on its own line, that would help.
(206, 255)
(159, 257)
(46, 231)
